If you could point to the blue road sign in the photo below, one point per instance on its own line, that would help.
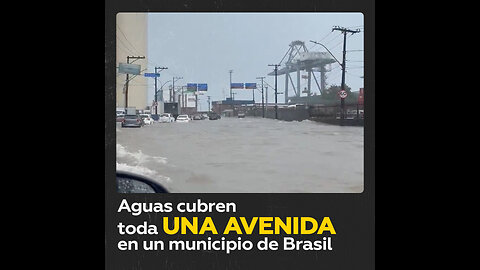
(250, 86)
(237, 85)
(202, 87)
(192, 87)
(152, 74)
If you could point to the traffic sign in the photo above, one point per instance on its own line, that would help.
(129, 68)
(152, 74)
(237, 85)
(192, 87)
(342, 93)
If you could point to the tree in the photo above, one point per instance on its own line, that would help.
(331, 93)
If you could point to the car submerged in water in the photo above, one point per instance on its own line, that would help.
(120, 117)
(147, 118)
(198, 117)
(166, 118)
(183, 118)
(133, 120)
(214, 116)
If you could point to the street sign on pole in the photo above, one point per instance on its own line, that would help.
(192, 87)
(129, 68)
(342, 94)
(152, 75)
(237, 85)
(202, 87)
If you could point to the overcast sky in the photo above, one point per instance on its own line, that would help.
(203, 47)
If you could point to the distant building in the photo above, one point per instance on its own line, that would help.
(132, 41)
(229, 106)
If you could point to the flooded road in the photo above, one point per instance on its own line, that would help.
(248, 155)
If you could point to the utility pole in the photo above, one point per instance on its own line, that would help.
(182, 103)
(276, 107)
(263, 104)
(266, 97)
(161, 90)
(156, 106)
(231, 94)
(208, 98)
(126, 83)
(172, 95)
(344, 31)
(196, 101)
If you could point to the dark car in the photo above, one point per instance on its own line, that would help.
(197, 117)
(214, 116)
(132, 121)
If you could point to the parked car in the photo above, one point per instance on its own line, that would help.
(183, 118)
(241, 115)
(147, 118)
(197, 117)
(166, 118)
(214, 116)
(120, 117)
(132, 121)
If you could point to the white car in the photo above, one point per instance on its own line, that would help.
(166, 118)
(183, 118)
(147, 118)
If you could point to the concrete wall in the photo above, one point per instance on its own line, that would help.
(286, 114)
(132, 41)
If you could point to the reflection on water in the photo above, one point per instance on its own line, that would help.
(247, 155)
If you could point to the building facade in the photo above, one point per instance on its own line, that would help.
(132, 31)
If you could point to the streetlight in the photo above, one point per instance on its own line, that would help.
(341, 65)
(263, 104)
(161, 95)
(172, 96)
(231, 93)
(161, 89)
(276, 94)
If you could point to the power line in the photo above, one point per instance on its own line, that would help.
(125, 46)
(356, 26)
(329, 33)
(134, 48)
(336, 45)
(335, 37)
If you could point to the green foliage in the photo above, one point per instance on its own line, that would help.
(331, 94)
